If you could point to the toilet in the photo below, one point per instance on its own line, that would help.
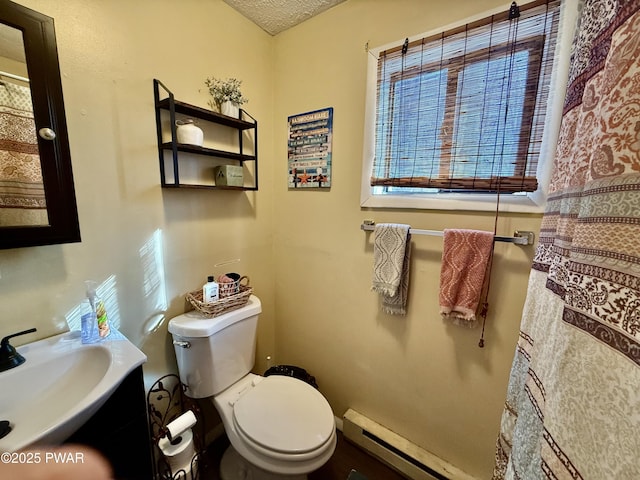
(279, 427)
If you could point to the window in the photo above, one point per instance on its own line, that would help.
(464, 111)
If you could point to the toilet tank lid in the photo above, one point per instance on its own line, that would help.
(194, 324)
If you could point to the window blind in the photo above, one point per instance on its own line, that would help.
(464, 110)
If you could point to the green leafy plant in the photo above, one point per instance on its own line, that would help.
(223, 91)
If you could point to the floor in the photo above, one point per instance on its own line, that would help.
(347, 457)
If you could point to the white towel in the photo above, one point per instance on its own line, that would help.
(391, 259)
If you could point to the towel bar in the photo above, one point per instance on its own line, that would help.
(520, 237)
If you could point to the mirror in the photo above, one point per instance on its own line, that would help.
(37, 197)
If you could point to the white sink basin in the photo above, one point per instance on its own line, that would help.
(60, 386)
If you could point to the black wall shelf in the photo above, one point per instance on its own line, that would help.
(243, 124)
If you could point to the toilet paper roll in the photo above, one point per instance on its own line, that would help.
(180, 424)
(178, 452)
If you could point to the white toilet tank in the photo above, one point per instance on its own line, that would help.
(214, 353)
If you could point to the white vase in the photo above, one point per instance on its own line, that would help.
(230, 109)
(187, 132)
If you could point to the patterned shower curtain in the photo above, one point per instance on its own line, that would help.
(573, 402)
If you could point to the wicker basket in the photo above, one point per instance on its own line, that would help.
(223, 305)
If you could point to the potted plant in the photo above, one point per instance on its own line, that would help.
(226, 95)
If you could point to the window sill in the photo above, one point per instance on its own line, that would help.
(531, 203)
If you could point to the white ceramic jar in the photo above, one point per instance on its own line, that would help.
(187, 132)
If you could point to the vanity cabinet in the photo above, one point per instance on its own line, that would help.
(176, 158)
(120, 430)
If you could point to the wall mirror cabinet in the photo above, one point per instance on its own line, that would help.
(37, 197)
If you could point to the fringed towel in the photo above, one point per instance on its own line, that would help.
(465, 259)
(391, 258)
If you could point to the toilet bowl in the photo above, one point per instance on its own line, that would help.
(278, 424)
(279, 427)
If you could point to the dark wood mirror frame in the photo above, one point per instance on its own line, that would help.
(48, 108)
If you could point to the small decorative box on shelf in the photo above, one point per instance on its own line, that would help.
(229, 175)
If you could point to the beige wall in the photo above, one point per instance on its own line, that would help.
(110, 52)
(419, 376)
(307, 258)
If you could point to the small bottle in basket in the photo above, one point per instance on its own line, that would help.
(210, 290)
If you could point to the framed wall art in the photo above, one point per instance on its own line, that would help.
(309, 149)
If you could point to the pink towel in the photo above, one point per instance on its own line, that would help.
(465, 258)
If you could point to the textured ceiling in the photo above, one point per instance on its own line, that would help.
(274, 16)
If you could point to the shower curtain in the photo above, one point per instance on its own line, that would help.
(22, 198)
(573, 401)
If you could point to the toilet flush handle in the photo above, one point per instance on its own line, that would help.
(182, 343)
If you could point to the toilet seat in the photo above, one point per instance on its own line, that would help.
(283, 416)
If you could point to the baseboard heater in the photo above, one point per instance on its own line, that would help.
(397, 452)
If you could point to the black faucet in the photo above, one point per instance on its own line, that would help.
(9, 357)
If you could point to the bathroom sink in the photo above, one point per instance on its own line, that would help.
(60, 386)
